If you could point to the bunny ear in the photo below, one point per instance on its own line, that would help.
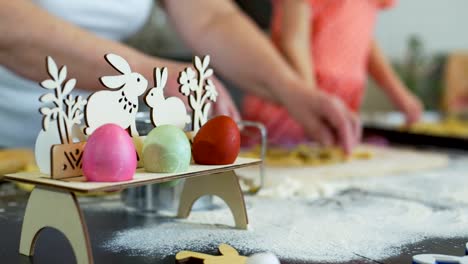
(164, 77)
(161, 77)
(157, 76)
(118, 63)
(114, 82)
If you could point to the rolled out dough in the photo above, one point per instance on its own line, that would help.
(312, 180)
(307, 155)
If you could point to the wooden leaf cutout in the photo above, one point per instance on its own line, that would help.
(47, 98)
(208, 73)
(69, 85)
(62, 74)
(206, 61)
(206, 112)
(198, 63)
(45, 110)
(49, 84)
(52, 68)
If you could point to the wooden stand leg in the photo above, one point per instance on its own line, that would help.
(59, 210)
(224, 185)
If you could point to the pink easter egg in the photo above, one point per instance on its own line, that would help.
(109, 155)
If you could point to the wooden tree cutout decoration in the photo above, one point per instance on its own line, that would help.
(119, 106)
(165, 111)
(59, 121)
(200, 91)
(68, 110)
(229, 256)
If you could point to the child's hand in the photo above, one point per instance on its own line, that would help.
(411, 107)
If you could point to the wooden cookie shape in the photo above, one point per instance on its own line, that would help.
(229, 255)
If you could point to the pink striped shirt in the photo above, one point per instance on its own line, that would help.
(341, 36)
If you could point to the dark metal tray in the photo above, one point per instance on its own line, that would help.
(388, 125)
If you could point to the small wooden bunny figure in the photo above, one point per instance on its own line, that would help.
(119, 106)
(165, 111)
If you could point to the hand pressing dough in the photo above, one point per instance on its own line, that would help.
(307, 155)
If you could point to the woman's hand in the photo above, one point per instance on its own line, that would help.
(224, 104)
(323, 117)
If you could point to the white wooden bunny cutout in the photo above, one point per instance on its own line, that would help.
(120, 106)
(165, 111)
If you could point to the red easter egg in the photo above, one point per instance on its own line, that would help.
(109, 155)
(217, 142)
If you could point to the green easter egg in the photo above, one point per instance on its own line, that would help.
(166, 149)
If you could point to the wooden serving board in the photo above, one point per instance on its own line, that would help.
(79, 184)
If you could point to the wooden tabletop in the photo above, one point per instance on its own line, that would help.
(52, 246)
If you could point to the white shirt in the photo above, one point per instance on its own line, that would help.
(20, 119)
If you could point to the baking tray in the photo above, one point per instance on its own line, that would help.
(389, 125)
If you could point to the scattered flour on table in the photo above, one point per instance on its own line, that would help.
(371, 217)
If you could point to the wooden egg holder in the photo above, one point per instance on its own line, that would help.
(53, 203)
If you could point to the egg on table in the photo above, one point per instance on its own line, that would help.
(262, 258)
(166, 149)
(109, 155)
(217, 142)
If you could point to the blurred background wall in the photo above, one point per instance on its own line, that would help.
(440, 24)
(437, 27)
